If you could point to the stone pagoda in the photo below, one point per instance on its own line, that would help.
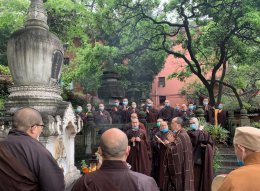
(35, 58)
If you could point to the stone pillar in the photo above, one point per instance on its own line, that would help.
(244, 119)
(231, 123)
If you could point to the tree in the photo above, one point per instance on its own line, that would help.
(210, 33)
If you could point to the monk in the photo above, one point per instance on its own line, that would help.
(159, 142)
(116, 113)
(167, 113)
(129, 125)
(151, 112)
(114, 173)
(140, 156)
(203, 150)
(178, 161)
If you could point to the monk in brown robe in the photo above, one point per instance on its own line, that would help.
(178, 163)
(167, 113)
(114, 173)
(155, 161)
(140, 155)
(203, 150)
(159, 142)
(25, 164)
(129, 125)
(116, 113)
(151, 112)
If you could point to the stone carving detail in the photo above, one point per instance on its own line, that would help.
(57, 60)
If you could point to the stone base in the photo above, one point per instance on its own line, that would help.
(71, 177)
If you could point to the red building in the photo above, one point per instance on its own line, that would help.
(170, 89)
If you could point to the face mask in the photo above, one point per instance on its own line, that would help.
(220, 106)
(158, 124)
(116, 104)
(101, 108)
(193, 126)
(177, 108)
(183, 110)
(191, 107)
(89, 108)
(133, 106)
(164, 130)
(149, 105)
(205, 103)
(167, 105)
(174, 131)
(240, 163)
(79, 110)
(125, 102)
(135, 128)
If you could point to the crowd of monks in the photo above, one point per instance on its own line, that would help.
(176, 152)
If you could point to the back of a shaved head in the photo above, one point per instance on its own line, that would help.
(25, 118)
(113, 143)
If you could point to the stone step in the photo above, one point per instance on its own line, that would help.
(228, 162)
(225, 170)
(228, 157)
(226, 150)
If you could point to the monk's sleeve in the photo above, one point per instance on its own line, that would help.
(50, 175)
(227, 185)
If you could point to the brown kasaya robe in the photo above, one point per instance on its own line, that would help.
(203, 150)
(14, 175)
(152, 115)
(116, 115)
(167, 114)
(114, 175)
(140, 154)
(34, 160)
(159, 150)
(178, 164)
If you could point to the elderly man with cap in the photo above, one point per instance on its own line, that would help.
(247, 148)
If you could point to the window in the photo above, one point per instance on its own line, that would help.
(161, 81)
(162, 99)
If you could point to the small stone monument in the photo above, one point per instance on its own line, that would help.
(35, 58)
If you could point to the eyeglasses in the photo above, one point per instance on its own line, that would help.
(43, 126)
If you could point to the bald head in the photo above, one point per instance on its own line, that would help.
(25, 118)
(113, 144)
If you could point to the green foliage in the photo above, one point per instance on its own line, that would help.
(216, 160)
(219, 134)
(4, 70)
(256, 124)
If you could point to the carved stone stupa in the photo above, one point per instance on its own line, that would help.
(35, 58)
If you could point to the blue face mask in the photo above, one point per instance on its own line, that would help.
(149, 105)
(194, 126)
(174, 131)
(158, 124)
(191, 107)
(177, 108)
(135, 128)
(125, 102)
(205, 103)
(164, 130)
(220, 106)
(78, 110)
(116, 104)
(167, 105)
(240, 162)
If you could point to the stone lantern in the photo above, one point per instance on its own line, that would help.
(35, 58)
